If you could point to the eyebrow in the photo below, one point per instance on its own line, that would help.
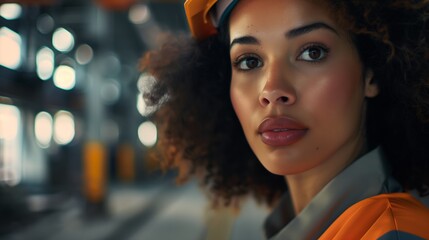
(244, 40)
(290, 34)
(308, 28)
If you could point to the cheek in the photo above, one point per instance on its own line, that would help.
(336, 91)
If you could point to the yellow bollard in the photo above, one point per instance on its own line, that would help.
(95, 171)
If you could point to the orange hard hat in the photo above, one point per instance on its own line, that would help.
(204, 16)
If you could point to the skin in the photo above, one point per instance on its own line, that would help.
(312, 75)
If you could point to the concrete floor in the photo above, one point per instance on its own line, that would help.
(159, 211)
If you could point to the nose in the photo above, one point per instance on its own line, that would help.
(275, 97)
(278, 89)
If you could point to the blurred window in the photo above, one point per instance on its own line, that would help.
(10, 48)
(10, 144)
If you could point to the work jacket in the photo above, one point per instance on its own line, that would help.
(363, 202)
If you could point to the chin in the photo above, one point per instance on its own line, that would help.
(284, 168)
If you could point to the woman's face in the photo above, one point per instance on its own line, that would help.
(298, 86)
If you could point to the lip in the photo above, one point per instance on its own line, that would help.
(281, 131)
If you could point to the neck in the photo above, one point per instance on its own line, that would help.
(303, 187)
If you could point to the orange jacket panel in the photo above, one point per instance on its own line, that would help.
(394, 214)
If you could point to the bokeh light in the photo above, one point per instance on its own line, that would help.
(43, 129)
(110, 91)
(148, 134)
(65, 77)
(10, 151)
(9, 122)
(63, 40)
(10, 48)
(84, 54)
(139, 14)
(45, 63)
(10, 11)
(45, 23)
(64, 127)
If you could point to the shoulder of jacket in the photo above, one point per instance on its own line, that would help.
(374, 217)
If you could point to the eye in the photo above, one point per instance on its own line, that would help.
(247, 63)
(313, 53)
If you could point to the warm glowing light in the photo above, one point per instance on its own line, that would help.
(10, 148)
(84, 54)
(10, 11)
(65, 77)
(45, 63)
(141, 105)
(10, 48)
(139, 14)
(148, 134)
(9, 121)
(64, 127)
(63, 40)
(43, 129)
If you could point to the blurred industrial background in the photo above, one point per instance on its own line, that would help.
(74, 135)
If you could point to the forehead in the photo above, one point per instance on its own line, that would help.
(257, 15)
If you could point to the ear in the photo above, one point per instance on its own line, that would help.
(371, 88)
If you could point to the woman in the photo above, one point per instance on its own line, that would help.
(332, 98)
